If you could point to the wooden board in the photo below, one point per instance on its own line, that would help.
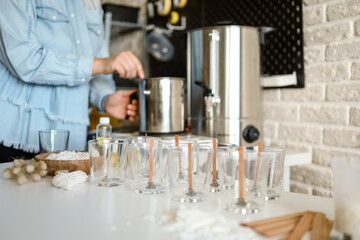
(70, 165)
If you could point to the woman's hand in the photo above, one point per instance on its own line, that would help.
(126, 64)
(118, 105)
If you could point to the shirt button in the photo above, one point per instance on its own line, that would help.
(54, 17)
(98, 32)
(72, 15)
(77, 41)
(83, 79)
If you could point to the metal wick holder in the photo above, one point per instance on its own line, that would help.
(214, 186)
(151, 186)
(181, 176)
(240, 202)
(191, 193)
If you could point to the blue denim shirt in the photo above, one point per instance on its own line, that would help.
(46, 53)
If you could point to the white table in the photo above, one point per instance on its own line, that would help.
(36, 211)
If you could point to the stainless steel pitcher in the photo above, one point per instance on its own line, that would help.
(224, 93)
(162, 105)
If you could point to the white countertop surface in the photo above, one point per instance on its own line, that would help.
(40, 211)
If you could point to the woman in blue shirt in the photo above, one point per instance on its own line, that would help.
(53, 62)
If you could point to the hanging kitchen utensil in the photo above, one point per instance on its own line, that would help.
(179, 3)
(163, 7)
(159, 46)
(150, 9)
(174, 17)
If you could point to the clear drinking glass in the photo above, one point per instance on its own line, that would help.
(225, 156)
(107, 161)
(275, 157)
(132, 146)
(222, 154)
(347, 195)
(146, 165)
(53, 140)
(189, 167)
(169, 143)
(244, 181)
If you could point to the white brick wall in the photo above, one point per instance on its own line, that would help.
(311, 93)
(343, 51)
(355, 71)
(324, 114)
(327, 34)
(313, 54)
(324, 117)
(314, 15)
(328, 72)
(342, 10)
(355, 116)
(343, 92)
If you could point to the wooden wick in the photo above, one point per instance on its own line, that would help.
(177, 140)
(297, 224)
(272, 220)
(272, 227)
(214, 160)
(257, 162)
(151, 160)
(277, 228)
(145, 136)
(241, 173)
(190, 167)
(302, 226)
(319, 228)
